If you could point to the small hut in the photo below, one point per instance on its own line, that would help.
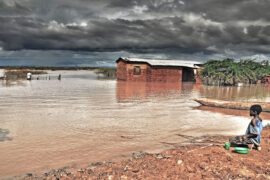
(266, 80)
(2, 73)
(156, 70)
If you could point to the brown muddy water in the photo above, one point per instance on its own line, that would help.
(47, 124)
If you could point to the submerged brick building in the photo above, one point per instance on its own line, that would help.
(266, 80)
(151, 70)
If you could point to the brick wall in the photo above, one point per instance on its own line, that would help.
(198, 80)
(121, 71)
(266, 80)
(147, 73)
(166, 74)
(197, 76)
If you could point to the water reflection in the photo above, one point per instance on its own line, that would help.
(9, 83)
(81, 119)
(243, 93)
(127, 91)
(235, 112)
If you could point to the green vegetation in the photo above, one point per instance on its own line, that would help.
(229, 72)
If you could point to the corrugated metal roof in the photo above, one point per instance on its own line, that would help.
(160, 62)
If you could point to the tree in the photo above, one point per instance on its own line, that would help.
(229, 72)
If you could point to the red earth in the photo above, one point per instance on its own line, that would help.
(198, 158)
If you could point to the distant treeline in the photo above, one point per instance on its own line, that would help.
(15, 74)
(230, 72)
(19, 72)
(50, 68)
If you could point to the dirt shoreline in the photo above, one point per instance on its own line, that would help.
(203, 158)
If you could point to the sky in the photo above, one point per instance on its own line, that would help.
(98, 32)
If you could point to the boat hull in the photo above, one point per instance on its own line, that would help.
(232, 104)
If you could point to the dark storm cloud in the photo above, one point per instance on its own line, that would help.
(217, 10)
(230, 10)
(103, 34)
(8, 8)
(153, 26)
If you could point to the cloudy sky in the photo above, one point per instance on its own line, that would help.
(97, 32)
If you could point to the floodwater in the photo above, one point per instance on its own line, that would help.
(47, 124)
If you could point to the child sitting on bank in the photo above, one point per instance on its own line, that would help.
(253, 133)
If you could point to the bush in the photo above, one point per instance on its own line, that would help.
(229, 72)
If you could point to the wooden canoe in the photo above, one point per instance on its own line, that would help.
(241, 105)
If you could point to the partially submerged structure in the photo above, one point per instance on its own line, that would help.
(2, 73)
(156, 70)
(266, 80)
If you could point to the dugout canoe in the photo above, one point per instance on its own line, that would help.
(241, 105)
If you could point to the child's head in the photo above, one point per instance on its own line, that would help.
(255, 110)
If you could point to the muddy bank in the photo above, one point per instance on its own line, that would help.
(202, 158)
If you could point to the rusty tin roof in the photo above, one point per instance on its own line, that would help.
(161, 62)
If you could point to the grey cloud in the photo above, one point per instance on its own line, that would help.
(216, 10)
(13, 7)
(156, 26)
(114, 35)
(230, 10)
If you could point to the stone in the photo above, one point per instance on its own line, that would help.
(81, 170)
(179, 161)
(135, 170)
(245, 172)
(126, 168)
(262, 176)
(90, 171)
(96, 163)
(29, 174)
(123, 177)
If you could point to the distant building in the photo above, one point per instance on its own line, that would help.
(2, 73)
(153, 70)
(266, 80)
(29, 76)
